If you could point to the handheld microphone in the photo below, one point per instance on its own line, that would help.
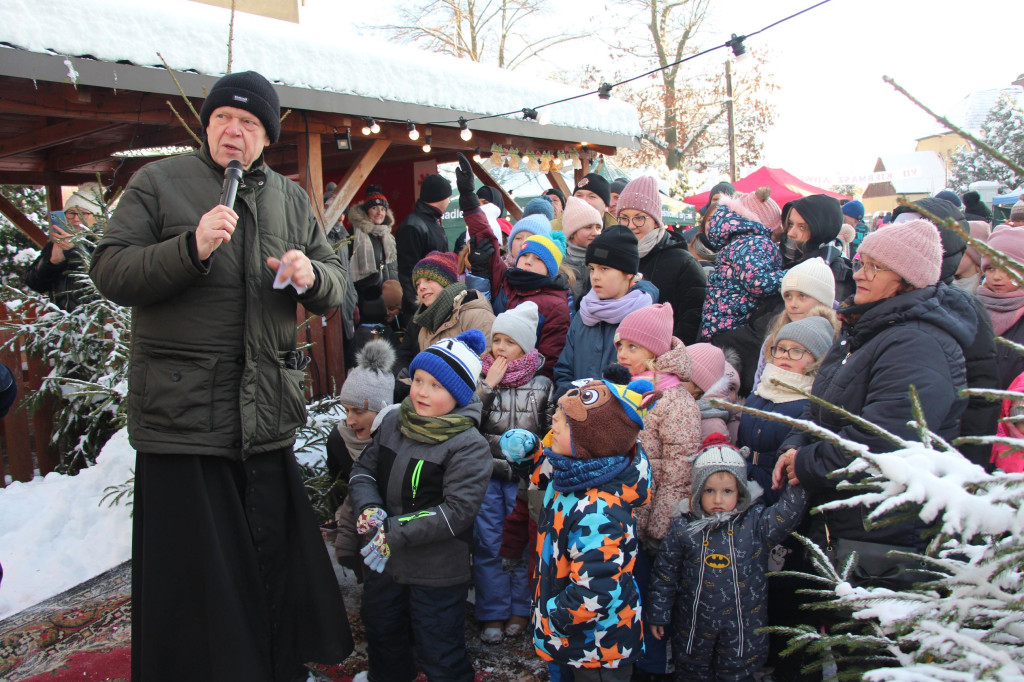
(232, 176)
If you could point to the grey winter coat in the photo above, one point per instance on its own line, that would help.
(431, 494)
(715, 578)
(212, 367)
(530, 406)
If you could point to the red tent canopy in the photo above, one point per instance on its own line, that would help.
(785, 187)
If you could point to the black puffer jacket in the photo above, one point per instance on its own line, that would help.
(61, 282)
(419, 234)
(911, 339)
(680, 280)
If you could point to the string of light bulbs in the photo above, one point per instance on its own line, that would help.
(371, 125)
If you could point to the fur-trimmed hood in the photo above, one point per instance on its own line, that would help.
(360, 219)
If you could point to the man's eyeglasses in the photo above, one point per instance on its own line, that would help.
(791, 353)
(78, 213)
(870, 269)
(638, 220)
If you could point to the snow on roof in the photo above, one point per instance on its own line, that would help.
(926, 172)
(193, 37)
(970, 113)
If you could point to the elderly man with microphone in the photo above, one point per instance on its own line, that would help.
(213, 250)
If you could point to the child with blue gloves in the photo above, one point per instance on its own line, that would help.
(416, 490)
(586, 618)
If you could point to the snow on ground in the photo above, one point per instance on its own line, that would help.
(54, 534)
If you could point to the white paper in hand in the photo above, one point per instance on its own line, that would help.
(281, 283)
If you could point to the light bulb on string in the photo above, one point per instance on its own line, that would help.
(739, 50)
(370, 126)
(413, 133)
(544, 117)
(426, 145)
(604, 93)
(478, 157)
(464, 132)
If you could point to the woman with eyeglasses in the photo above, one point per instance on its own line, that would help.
(58, 271)
(905, 328)
(665, 259)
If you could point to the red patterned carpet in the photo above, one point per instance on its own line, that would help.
(83, 635)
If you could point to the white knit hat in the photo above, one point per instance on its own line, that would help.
(87, 197)
(519, 324)
(578, 214)
(812, 277)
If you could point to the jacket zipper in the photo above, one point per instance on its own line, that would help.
(416, 478)
(736, 591)
(696, 594)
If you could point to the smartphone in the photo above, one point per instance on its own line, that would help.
(58, 219)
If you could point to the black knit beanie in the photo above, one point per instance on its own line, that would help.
(555, 192)
(435, 188)
(246, 90)
(823, 214)
(596, 184)
(491, 194)
(617, 248)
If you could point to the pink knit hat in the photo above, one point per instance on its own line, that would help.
(578, 214)
(981, 231)
(1008, 240)
(650, 327)
(913, 250)
(642, 195)
(757, 206)
(708, 364)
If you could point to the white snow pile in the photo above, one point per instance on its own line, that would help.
(193, 37)
(55, 534)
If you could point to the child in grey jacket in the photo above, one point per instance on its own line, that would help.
(416, 490)
(712, 567)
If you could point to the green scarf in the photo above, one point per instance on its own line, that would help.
(430, 430)
(434, 315)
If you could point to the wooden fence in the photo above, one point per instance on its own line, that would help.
(27, 451)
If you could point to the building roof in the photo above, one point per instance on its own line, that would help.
(970, 113)
(106, 42)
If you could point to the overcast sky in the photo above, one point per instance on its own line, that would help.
(834, 114)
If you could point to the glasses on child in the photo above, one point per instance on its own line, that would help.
(870, 269)
(638, 220)
(78, 213)
(791, 353)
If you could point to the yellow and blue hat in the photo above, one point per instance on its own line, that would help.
(545, 249)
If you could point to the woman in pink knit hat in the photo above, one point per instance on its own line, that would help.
(665, 259)
(671, 434)
(905, 328)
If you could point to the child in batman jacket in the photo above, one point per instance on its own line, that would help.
(712, 567)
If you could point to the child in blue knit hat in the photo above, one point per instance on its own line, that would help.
(416, 490)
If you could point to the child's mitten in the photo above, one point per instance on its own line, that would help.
(376, 552)
(370, 518)
(518, 445)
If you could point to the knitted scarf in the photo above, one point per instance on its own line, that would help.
(519, 370)
(702, 247)
(650, 240)
(662, 380)
(571, 475)
(430, 430)
(612, 310)
(1004, 309)
(434, 315)
(353, 443)
(524, 280)
(780, 394)
(363, 262)
(575, 255)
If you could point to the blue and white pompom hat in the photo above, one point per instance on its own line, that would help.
(455, 363)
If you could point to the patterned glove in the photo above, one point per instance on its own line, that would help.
(518, 445)
(369, 519)
(376, 553)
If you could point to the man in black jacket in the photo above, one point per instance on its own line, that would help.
(419, 234)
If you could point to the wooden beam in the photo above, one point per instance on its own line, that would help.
(311, 174)
(12, 213)
(354, 178)
(39, 178)
(557, 181)
(54, 197)
(51, 136)
(71, 158)
(511, 206)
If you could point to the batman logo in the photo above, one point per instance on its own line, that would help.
(717, 561)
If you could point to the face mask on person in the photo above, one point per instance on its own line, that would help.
(968, 284)
(792, 250)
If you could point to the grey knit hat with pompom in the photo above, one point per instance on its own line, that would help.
(371, 385)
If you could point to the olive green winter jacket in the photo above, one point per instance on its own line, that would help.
(213, 344)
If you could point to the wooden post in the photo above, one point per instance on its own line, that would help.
(311, 174)
(12, 213)
(354, 178)
(54, 197)
(557, 181)
(511, 206)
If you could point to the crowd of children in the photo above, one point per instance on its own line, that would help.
(566, 454)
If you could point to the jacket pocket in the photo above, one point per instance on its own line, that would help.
(177, 390)
(292, 391)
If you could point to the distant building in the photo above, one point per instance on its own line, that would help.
(286, 10)
(968, 114)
